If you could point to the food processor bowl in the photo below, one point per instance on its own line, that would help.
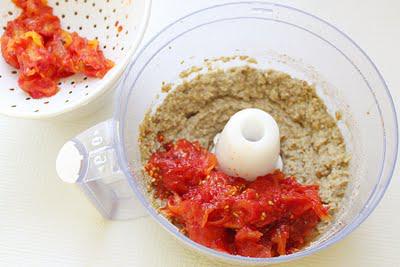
(279, 37)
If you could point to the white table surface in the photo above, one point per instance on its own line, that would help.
(44, 222)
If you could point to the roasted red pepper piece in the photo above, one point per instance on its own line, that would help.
(35, 43)
(272, 216)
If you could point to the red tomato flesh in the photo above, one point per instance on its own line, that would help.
(272, 216)
(35, 44)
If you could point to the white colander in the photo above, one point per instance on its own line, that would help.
(119, 26)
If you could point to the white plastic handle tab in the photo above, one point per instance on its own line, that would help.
(89, 160)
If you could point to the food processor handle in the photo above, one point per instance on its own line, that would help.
(89, 160)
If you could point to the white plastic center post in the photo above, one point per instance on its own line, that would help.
(249, 145)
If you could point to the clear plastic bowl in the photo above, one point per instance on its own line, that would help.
(279, 37)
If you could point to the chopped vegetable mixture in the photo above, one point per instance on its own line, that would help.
(272, 216)
(44, 53)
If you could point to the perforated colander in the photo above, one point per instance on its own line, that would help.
(117, 24)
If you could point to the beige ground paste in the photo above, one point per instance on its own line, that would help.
(312, 146)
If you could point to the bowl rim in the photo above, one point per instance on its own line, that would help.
(361, 217)
(108, 82)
